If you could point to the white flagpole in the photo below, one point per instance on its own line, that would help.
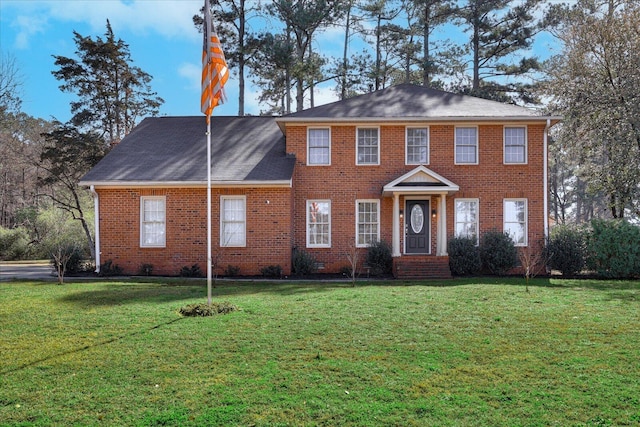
(209, 263)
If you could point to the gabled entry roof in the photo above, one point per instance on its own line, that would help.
(420, 180)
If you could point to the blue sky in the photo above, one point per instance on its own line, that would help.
(162, 40)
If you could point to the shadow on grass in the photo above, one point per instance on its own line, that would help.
(145, 290)
(88, 347)
(158, 290)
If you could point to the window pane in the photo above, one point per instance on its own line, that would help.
(318, 223)
(466, 145)
(319, 146)
(233, 225)
(466, 218)
(515, 145)
(516, 231)
(417, 146)
(515, 220)
(367, 226)
(152, 222)
(367, 146)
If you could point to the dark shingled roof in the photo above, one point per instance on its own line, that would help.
(411, 102)
(173, 150)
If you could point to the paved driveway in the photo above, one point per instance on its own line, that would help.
(26, 272)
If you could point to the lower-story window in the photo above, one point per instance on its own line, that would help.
(318, 223)
(466, 218)
(515, 220)
(367, 222)
(153, 221)
(233, 224)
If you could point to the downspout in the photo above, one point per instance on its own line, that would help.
(545, 161)
(96, 220)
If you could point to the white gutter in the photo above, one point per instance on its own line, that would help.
(188, 184)
(545, 161)
(96, 220)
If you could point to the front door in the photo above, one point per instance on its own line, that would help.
(417, 226)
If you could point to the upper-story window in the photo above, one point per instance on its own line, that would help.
(417, 146)
(515, 144)
(466, 145)
(368, 146)
(319, 146)
(153, 222)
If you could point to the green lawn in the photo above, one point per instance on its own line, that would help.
(473, 352)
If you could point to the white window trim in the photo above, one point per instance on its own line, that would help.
(309, 147)
(377, 202)
(526, 219)
(224, 244)
(455, 219)
(455, 145)
(379, 143)
(306, 213)
(406, 145)
(504, 145)
(142, 200)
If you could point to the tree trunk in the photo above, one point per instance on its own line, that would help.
(476, 54)
(241, 59)
(426, 70)
(343, 77)
(378, 53)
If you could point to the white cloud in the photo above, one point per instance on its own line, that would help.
(192, 74)
(167, 18)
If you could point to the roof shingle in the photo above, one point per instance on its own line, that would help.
(173, 150)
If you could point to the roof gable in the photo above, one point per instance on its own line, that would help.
(412, 102)
(420, 180)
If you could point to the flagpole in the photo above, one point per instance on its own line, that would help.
(214, 75)
(209, 262)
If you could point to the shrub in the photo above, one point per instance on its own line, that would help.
(566, 250)
(614, 249)
(193, 271)
(498, 252)
(464, 256)
(202, 309)
(108, 268)
(146, 269)
(303, 263)
(71, 254)
(271, 271)
(346, 271)
(14, 243)
(379, 258)
(232, 270)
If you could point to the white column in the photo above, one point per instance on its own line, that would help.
(395, 234)
(442, 225)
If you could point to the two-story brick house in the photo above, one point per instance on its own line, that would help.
(409, 165)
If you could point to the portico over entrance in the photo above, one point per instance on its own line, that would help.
(424, 195)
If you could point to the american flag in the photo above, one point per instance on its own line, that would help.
(215, 72)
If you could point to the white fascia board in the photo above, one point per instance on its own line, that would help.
(187, 184)
(501, 119)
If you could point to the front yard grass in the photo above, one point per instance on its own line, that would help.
(466, 352)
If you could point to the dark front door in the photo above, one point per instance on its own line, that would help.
(417, 227)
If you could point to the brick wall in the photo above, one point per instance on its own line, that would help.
(491, 181)
(268, 230)
(275, 227)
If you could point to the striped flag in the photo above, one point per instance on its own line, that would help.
(214, 67)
